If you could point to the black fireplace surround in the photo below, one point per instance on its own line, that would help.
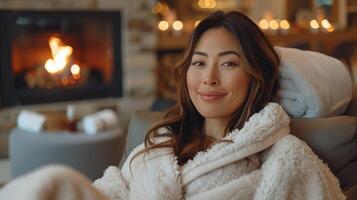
(96, 40)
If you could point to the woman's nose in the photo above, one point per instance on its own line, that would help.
(211, 77)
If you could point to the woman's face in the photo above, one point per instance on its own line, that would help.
(217, 81)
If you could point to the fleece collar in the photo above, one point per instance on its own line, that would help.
(260, 132)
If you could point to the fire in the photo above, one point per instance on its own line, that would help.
(75, 69)
(60, 56)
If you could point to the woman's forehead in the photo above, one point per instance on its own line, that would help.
(217, 39)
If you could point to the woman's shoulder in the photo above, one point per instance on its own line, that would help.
(139, 157)
(162, 136)
(292, 159)
(292, 148)
(290, 144)
(140, 150)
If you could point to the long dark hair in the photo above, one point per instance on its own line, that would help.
(183, 121)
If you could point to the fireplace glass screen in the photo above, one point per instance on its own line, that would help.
(59, 56)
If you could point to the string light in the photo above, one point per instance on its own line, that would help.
(207, 4)
(325, 23)
(163, 25)
(314, 24)
(273, 24)
(264, 24)
(284, 24)
(177, 25)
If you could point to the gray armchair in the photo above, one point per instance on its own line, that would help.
(333, 139)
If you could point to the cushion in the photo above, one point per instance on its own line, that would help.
(312, 84)
(334, 140)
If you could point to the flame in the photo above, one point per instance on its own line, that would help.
(60, 55)
(75, 69)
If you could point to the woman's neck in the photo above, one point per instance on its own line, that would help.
(214, 127)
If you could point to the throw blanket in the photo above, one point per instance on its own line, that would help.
(313, 84)
(53, 182)
(263, 162)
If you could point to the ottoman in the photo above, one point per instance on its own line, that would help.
(89, 154)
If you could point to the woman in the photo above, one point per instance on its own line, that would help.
(223, 139)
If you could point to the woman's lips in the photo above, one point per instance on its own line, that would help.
(209, 96)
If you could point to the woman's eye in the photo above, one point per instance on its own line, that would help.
(197, 63)
(229, 64)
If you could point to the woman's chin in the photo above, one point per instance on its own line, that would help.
(212, 114)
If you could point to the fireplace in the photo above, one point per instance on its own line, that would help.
(52, 56)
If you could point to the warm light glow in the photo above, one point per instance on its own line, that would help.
(273, 24)
(157, 8)
(325, 23)
(314, 24)
(160, 8)
(212, 4)
(202, 3)
(163, 25)
(75, 69)
(331, 29)
(284, 24)
(207, 4)
(64, 80)
(50, 66)
(177, 25)
(60, 55)
(165, 10)
(77, 76)
(264, 24)
(197, 22)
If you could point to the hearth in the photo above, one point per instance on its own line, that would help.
(52, 56)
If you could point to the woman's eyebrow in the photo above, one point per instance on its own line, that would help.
(220, 54)
(200, 53)
(228, 52)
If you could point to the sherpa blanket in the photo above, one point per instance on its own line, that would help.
(263, 162)
(53, 182)
(313, 84)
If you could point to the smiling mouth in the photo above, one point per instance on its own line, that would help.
(209, 96)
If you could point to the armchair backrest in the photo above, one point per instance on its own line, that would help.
(334, 140)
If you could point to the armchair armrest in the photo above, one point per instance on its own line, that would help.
(352, 108)
(334, 140)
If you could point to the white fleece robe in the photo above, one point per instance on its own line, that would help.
(263, 162)
(280, 166)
